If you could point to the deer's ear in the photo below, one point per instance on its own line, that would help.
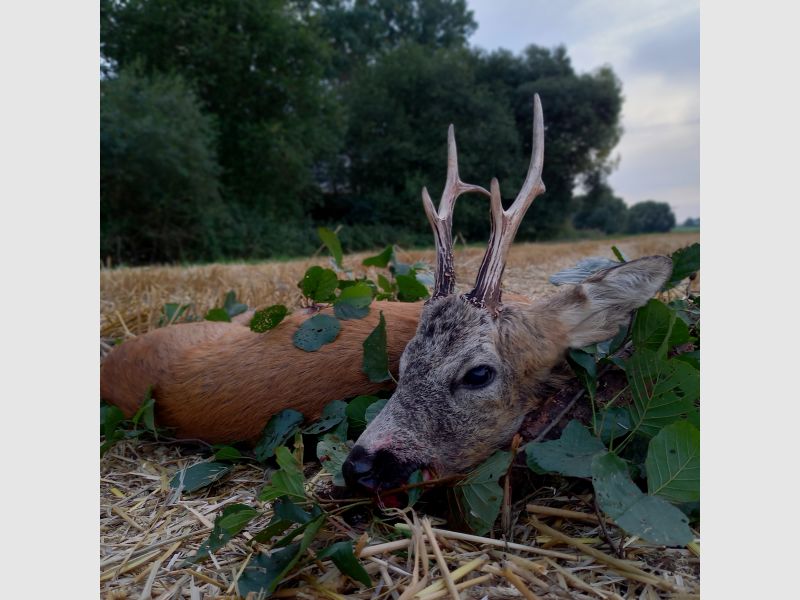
(594, 310)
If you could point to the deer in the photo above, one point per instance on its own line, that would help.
(468, 368)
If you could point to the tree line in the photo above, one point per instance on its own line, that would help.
(231, 128)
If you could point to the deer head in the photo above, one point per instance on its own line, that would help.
(470, 374)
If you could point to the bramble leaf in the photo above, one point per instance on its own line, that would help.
(673, 463)
(569, 455)
(268, 318)
(316, 332)
(376, 358)
(279, 429)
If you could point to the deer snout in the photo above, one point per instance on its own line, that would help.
(375, 471)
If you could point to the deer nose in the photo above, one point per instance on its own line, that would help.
(357, 466)
(372, 472)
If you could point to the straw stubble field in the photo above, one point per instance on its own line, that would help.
(147, 531)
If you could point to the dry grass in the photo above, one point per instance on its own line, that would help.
(147, 531)
(131, 299)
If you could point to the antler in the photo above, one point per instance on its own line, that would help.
(442, 221)
(506, 222)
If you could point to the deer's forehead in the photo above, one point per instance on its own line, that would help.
(450, 327)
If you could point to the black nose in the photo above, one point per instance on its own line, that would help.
(376, 471)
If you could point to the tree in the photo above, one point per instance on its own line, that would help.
(601, 210)
(159, 189)
(650, 216)
(582, 126)
(258, 68)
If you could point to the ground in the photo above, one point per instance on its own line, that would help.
(147, 531)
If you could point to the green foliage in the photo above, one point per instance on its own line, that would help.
(287, 480)
(649, 217)
(232, 306)
(115, 427)
(230, 522)
(278, 430)
(159, 177)
(333, 415)
(319, 284)
(410, 289)
(601, 210)
(316, 332)
(218, 314)
(570, 455)
(235, 128)
(685, 262)
(649, 517)
(353, 302)
(268, 318)
(376, 358)
(673, 463)
(331, 241)
(655, 435)
(479, 495)
(341, 553)
(332, 451)
(357, 412)
(199, 476)
(373, 410)
(379, 260)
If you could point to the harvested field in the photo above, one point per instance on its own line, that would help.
(560, 549)
(131, 299)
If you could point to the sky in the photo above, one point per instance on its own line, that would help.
(654, 48)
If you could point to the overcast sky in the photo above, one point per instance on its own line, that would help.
(654, 48)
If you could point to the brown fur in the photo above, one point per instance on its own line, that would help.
(220, 382)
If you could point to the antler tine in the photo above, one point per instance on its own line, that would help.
(442, 220)
(505, 223)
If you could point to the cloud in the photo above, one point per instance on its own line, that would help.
(654, 48)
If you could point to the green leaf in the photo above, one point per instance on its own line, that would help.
(332, 452)
(379, 260)
(264, 572)
(673, 463)
(319, 284)
(303, 529)
(415, 493)
(331, 240)
(228, 523)
(684, 262)
(357, 411)
(332, 415)
(218, 314)
(268, 318)
(480, 494)
(278, 430)
(663, 391)
(110, 419)
(612, 423)
(385, 284)
(199, 476)
(172, 312)
(376, 358)
(286, 481)
(275, 527)
(585, 369)
(409, 289)
(287, 510)
(618, 253)
(316, 332)
(373, 410)
(224, 452)
(232, 306)
(146, 412)
(353, 302)
(652, 326)
(341, 553)
(569, 455)
(649, 517)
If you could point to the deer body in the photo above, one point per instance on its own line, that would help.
(221, 382)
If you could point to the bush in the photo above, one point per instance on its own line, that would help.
(159, 190)
(650, 216)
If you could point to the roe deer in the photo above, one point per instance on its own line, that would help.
(467, 378)
(471, 372)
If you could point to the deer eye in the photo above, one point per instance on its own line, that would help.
(478, 377)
